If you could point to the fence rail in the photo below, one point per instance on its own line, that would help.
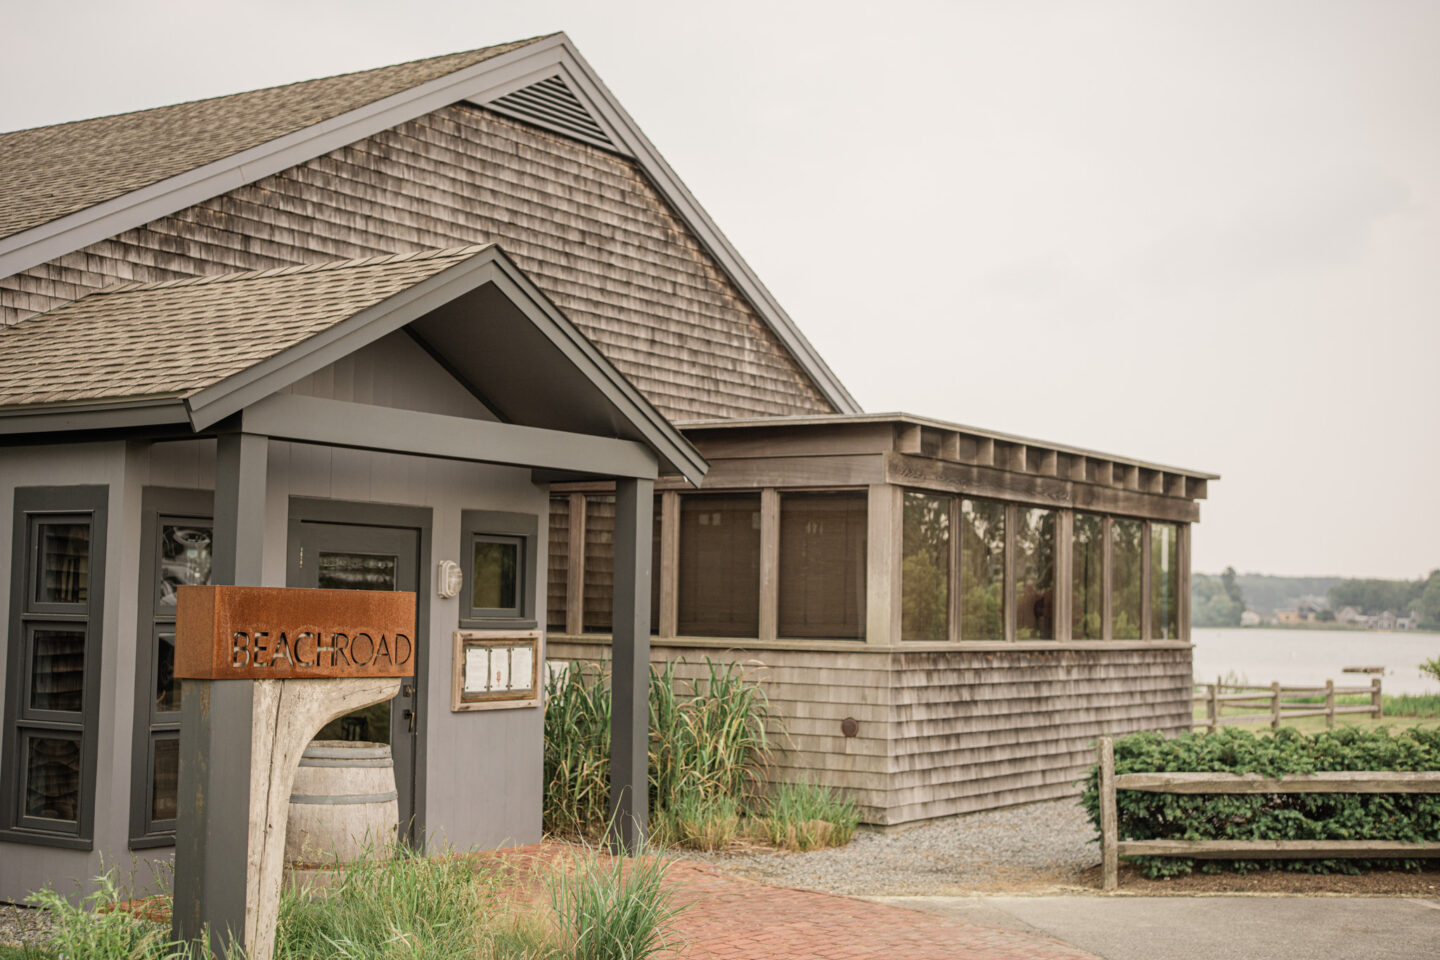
(1274, 697)
(1112, 848)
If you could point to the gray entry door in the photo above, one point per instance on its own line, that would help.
(342, 556)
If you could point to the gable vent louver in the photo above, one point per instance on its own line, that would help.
(551, 103)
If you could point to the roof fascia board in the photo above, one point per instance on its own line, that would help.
(628, 133)
(478, 83)
(490, 265)
(108, 416)
(368, 427)
(66, 234)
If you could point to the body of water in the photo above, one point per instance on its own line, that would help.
(1303, 657)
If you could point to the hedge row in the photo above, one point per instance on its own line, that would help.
(1302, 816)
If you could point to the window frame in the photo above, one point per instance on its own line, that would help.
(490, 526)
(159, 506)
(34, 506)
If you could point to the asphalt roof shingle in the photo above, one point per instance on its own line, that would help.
(49, 172)
(175, 338)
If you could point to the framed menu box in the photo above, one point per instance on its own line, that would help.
(495, 670)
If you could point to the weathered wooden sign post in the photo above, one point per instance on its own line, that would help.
(264, 669)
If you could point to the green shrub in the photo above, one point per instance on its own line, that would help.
(612, 908)
(697, 822)
(1307, 816)
(805, 816)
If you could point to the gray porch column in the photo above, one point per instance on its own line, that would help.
(630, 716)
(212, 826)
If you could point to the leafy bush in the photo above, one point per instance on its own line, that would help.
(805, 816)
(1307, 816)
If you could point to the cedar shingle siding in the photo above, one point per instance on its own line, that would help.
(584, 223)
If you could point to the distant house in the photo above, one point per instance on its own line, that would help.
(1411, 622)
(1386, 621)
(1350, 615)
(1289, 616)
(1249, 619)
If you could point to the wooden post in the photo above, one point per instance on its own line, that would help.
(1329, 704)
(669, 561)
(575, 575)
(1377, 703)
(216, 716)
(1275, 705)
(1109, 818)
(630, 666)
(769, 563)
(1212, 706)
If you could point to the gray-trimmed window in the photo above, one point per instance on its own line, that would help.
(498, 554)
(175, 549)
(52, 695)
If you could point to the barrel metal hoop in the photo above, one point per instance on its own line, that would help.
(337, 753)
(325, 762)
(344, 798)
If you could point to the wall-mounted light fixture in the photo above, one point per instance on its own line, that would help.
(448, 579)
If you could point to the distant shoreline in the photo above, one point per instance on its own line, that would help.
(1330, 627)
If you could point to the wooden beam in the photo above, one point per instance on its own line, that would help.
(908, 438)
(769, 562)
(1331, 781)
(882, 582)
(630, 666)
(1064, 575)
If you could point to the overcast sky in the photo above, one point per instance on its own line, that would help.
(1204, 234)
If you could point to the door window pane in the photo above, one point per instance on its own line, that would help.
(57, 669)
(1164, 581)
(925, 568)
(52, 778)
(982, 570)
(719, 565)
(1034, 574)
(356, 571)
(167, 687)
(822, 565)
(496, 574)
(166, 780)
(63, 558)
(1125, 578)
(1088, 581)
(184, 558)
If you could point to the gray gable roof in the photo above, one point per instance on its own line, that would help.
(50, 174)
(217, 344)
(57, 170)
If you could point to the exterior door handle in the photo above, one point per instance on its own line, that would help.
(410, 716)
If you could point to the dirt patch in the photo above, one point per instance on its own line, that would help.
(1373, 883)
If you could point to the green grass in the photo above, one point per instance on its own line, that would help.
(612, 908)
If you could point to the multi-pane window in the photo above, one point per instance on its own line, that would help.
(53, 665)
(1164, 581)
(1127, 578)
(1034, 574)
(498, 569)
(176, 547)
(982, 570)
(1087, 584)
(822, 565)
(925, 567)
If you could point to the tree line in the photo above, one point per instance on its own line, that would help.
(1219, 601)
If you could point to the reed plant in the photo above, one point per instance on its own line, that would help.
(577, 752)
(613, 908)
(807, 816)
(697, 822)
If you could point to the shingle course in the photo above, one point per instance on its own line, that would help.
(173, 338)
(49, 172)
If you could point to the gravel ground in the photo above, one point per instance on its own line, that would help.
(1034, 847)
(24, 925)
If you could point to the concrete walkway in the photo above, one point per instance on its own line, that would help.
(1207, 928)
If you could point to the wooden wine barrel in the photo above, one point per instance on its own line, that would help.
(343, 804)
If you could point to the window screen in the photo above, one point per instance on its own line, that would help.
(719, 565)
(822, 565)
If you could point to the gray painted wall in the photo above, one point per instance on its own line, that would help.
(484, 769)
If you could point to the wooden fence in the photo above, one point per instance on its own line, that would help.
(1112, 848)
(1218, 696)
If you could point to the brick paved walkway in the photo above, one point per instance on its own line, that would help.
(732, 919)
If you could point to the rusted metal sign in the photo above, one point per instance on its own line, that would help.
(279, 633)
